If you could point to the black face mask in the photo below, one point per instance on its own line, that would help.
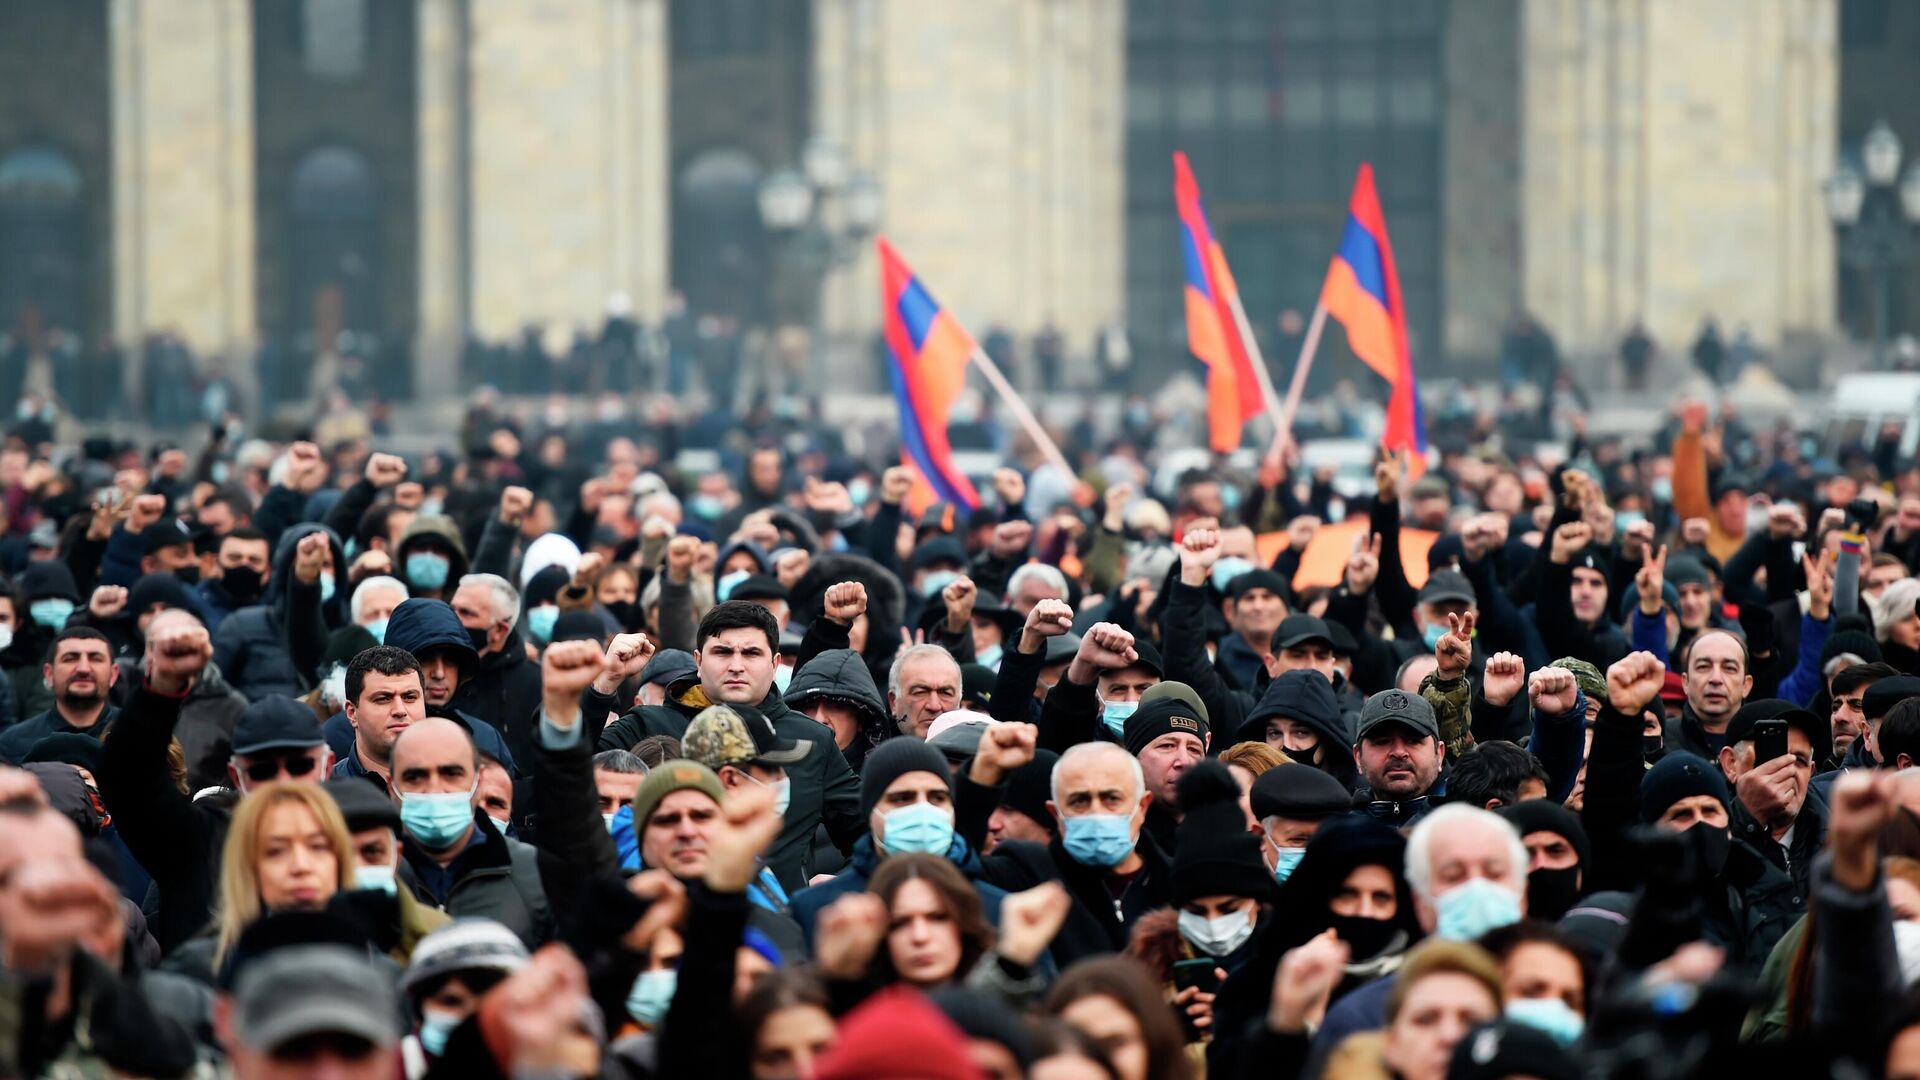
(241, 583)
(1365, 938)
(626, 613)
(1552, 893)
(479, 638)
(188, 575)
(1652, 746)
(1710, 845)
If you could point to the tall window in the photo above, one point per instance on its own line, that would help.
(1277, 102)
(40, 239)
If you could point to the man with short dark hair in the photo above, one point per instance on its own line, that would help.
(1496, 774)
(1899, 736)
(1718, 678)
(737, 647)
(245, 560)
(385, 695)
(617, 774)
(80, 669)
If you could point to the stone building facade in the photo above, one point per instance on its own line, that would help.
(488, 165)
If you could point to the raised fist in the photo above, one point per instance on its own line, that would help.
(1634, 681)
(1553, 691)
(1010, 486)
(1503, 677)
(1010, 539)
(306, 469)
(385, 470)
(147, 509)
(845, 602)
(681, 552)
(514, 504)
(1570, 540)
(310, 558)
(1199, 550)
(108, 601)
(895, 483)
(176, 657)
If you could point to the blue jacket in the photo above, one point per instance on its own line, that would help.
(809, 902)
(1805, 680)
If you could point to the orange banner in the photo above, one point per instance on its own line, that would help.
(1325, 560)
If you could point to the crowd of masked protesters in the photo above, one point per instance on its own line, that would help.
(542, 757)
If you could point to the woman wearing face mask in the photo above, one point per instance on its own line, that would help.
(1221, 891)
(1113, 1002)
(287, 848)
(451, 970)
(1445, 989)
(1350, 882)
(1544, 975)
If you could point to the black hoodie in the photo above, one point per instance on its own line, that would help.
(275, 646)
(842, 674)
(1306, 696)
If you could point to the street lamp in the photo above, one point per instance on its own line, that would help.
(1874, 209)
(823, 212)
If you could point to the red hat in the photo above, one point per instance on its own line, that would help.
(1674, 688)
(897, 1034)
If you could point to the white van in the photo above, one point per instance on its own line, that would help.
(1861, 402)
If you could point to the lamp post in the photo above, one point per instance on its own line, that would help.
(1874, 209)
(823, 212)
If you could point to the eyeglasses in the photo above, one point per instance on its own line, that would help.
(265, 769)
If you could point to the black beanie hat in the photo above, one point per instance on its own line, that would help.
(545, 586)
(1160, 717)
(1030, 788)
(1214, 854)
(1858, 642)
(163, 589)
(894, 759)
(1545, 815)
(1677, 776)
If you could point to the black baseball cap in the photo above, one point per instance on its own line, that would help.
(1398, 707)
(1818, 732)
(976, 683)
(165, 533)
(760, 587)
(276, 723)
(1299, 629)
(1448, 584)
(1257, 578)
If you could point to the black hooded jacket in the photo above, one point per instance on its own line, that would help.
(274, 646)
(1306, 696)
(842, 674)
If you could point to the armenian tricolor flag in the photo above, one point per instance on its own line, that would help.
(1362, 290)
(929, 350)
(1213, 333)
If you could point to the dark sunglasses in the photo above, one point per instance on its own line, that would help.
(270, 768)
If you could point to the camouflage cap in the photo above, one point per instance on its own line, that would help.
(738, 735)
(1591, 682)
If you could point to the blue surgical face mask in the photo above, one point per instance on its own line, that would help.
(435, 1028)
(378, 628)
(540, 622)
(921, 827)
(1432, 634)
(1550, 1015)
(1627, 519)
(723, 587)
(1114, 714)
(859, 490)
(327, 586)
(988, 657)
(934, 582)
(51, 612)
(1662, 488)
(428, 569)
(651, 995)
(1099, 840)
(1229, 496)
(1474, 907)
(374, 877)
(1228, 568)
(437, 820)
(1285, 859)
(782, 677)
(706, 506)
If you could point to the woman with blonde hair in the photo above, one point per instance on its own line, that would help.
(1444, 990)
(287, 849)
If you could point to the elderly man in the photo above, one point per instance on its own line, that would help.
(923, 683)
(737, 643)
(373, 602)
(505, 689)
(1467, 870)
(1169, 734)
(1113, 871)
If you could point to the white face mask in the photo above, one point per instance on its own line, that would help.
(1906, 942)
(1218, 936)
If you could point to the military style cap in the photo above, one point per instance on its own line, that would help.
(1398, 707)
(1591, 682)
(738, 735)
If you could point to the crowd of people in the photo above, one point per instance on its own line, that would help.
(544, 757)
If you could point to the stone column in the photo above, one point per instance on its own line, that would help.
(1671, 167)
(440, 143)
(567, 148)
(183, 167)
